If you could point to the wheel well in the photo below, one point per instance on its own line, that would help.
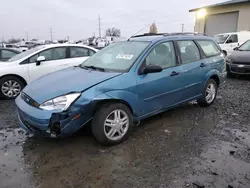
(14, 75)
(216, 79)
(100, 103)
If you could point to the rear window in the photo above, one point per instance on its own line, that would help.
(209, 48)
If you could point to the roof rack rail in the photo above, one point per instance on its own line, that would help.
(148, 34)
(186, 33)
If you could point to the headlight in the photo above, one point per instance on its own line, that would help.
(60, 103)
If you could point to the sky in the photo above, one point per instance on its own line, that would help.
(78, 19)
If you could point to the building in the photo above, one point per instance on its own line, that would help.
(229, 16)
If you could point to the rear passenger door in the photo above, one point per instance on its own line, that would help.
(79, 54)
(194, 68)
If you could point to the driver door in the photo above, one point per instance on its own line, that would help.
(55, 59)
(160, 90)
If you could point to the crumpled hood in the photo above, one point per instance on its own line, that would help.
(240, 56)
(73, 79)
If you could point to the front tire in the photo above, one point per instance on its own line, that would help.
(10, 87)
(112, 123)
(209, 94)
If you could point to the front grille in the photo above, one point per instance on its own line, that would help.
(29, 100)
(244, 70)
(241, 63)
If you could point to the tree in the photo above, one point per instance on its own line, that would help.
(113, 32)
(153, 29)
(13, 40)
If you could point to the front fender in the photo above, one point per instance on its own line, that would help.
(128, 97)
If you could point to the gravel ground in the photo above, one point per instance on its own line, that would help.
(186, 147)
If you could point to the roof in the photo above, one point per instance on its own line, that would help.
(231, 2)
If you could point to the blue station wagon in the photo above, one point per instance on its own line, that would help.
(123, 84)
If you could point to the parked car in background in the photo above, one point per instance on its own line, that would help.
(122, 84)
(7, 53)
(23, 68)
(229, 41)
(238, 62)
(23, 48)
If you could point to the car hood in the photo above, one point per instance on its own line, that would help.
(74, 79)
(240, 56)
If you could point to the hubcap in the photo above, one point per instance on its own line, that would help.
(11, 88)
(210, 93)
(116, 125)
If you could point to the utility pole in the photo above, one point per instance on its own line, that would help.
(100, 32)
(182, 28)
(51, 34)
(27, 36)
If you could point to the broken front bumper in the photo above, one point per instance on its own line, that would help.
(50, 123)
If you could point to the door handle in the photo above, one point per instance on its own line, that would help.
(203, 65)
(174, 73)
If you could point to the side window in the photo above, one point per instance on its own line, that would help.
(33, 58)
(232, 39)
(7, 54)
(209, 48)
(91, 52)
(50, 54)
(163, 55)
(189, 51)
(78, 52)
(54, 54)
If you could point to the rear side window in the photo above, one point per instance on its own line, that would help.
(189, 51)
(209, 48)
(80, 52)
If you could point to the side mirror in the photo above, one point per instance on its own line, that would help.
(236, 48)
(152, 69)
(40, 59)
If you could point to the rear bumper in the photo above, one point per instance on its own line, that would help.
(238, 69)
(50, 123)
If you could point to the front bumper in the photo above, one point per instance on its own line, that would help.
(238, 69)
(50, 123)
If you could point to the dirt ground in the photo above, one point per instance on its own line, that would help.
(186, 147)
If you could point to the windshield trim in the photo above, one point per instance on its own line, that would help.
(128, 69)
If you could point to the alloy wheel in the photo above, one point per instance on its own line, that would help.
(116, 125)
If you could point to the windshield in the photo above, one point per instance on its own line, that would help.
(26, 53)
(220, 39)
(116, 57)
(245, 46)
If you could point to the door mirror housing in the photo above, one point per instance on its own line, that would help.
(152, 69)
(236, 48)
(40, 59)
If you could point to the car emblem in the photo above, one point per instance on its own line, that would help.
(241, 66)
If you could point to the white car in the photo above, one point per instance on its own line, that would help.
(25, 67)
(229, 41)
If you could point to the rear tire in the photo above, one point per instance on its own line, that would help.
(107, 128)
(10, 87)
(209, 93)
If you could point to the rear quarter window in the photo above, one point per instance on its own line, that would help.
(209, 48)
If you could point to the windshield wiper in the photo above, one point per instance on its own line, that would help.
(94, 68)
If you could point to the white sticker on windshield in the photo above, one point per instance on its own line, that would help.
(125, 56)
